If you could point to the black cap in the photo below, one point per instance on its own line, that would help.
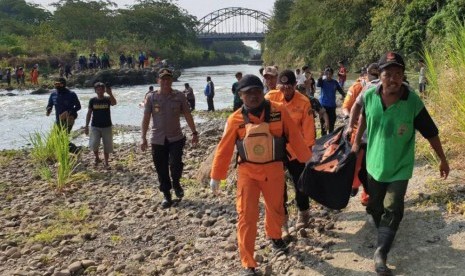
(164, 72)
(287, 77)
(248, 82)
(373, 70)
(391, 58)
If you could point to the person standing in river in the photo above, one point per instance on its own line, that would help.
(101, 127)
(210, 93)
(189, 92)
(165, 106)
(392, 114)
(66, 105)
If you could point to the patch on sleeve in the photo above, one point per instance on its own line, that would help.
(275, 116)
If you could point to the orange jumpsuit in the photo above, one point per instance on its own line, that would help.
(349, 102)
(254, 179)
(301, 112)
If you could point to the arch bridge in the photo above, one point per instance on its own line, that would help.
(236, 24)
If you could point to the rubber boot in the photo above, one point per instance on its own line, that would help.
(285, 228)
(385, 238)
(302, 219)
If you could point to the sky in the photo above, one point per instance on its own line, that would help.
(198, 8)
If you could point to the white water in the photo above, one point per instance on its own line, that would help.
(25, 113)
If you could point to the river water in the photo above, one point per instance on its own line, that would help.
(23, 114)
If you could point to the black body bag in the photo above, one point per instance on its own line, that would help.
(328, 176)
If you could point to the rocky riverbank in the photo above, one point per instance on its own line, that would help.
(116, 77)
(109, 222)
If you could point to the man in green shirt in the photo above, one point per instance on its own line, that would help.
(392, 113)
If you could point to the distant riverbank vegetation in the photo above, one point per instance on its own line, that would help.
(29, 34)
(357, 32)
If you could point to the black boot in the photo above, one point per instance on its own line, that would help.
(167, 201)
(178, 190)
(385, 238)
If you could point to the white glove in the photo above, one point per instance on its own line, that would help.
(215, 186)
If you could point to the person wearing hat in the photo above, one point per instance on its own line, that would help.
(301, 112)
(329, 86)
(254, 128)
(66, 105)
(165, 106)
(270, 74)
(101, 126)
(392, 114)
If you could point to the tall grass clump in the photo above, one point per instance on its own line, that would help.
(445, 98)
(52, 149)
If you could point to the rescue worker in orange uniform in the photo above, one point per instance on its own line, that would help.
(301, 112)
(354, 90)
(351, 109)
(258, 130)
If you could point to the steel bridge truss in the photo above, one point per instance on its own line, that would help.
(233, 21)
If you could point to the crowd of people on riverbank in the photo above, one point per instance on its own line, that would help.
(272, 129)
(18, 75)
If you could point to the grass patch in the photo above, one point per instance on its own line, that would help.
(443, 194)
(50, 153)
(46, 260)
(223, 113)
(129, 160)
(74, 216)
(6, 156)
(68, 222)
(3, 187)
(116, 239)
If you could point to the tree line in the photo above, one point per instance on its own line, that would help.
(318, 33)
(84, 26)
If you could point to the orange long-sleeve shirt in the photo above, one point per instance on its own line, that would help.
(301, 112)
(280, 123)
(352, 94)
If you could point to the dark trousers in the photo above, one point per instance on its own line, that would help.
(168, 158)
(295, 169)
(331, 111)
(210, 104)
(386, 203)
(191, 103)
